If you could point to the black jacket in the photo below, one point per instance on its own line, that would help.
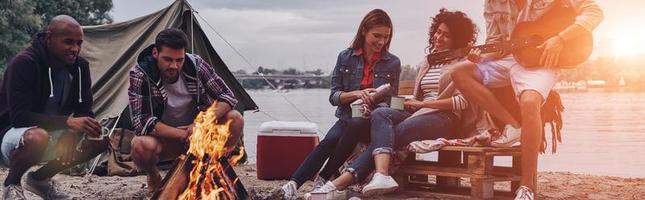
(25, 89)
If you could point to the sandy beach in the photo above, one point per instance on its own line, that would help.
(581, 169)
(552, 185)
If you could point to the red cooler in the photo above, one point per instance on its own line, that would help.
(282, 146)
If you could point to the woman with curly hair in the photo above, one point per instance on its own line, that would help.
(435, 112)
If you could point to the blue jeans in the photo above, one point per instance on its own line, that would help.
(391, 130)
(337, 145)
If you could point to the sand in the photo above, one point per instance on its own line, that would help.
(552, 185)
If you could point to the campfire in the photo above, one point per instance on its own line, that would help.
(204, 172)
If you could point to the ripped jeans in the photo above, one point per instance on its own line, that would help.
(335, 148)
(391, 129)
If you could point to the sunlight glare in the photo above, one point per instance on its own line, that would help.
(628, 43)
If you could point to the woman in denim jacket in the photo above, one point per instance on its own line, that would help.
(433, 113)
(365, 65)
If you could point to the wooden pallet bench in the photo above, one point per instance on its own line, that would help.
(457, 162)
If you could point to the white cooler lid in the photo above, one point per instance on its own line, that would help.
(289, 127)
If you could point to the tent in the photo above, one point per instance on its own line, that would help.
(113, 49)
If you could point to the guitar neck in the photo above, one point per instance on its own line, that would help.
(494, 47)
(459, 53)
(505, 46)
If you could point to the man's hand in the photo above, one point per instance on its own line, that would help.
(188, 131)
(413, 105)
(552, 49)
(222, 109)
(474, 55)
(66, 148)
(181, 133)
(84, 125)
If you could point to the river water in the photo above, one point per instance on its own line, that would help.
(603, 133)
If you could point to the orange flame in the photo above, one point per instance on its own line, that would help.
(236, 158)
(207, 146)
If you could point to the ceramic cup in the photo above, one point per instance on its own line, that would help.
(357, 110)
(397, 102)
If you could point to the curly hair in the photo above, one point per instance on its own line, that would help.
(462, 29)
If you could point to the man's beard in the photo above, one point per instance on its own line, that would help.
(169, 77)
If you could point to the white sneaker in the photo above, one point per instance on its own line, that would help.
(319, 182)
(290, 190)
(510, 137)
(327, 192)
(524, 193)
(380, 184)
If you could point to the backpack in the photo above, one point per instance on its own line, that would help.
(551, 113)
(119, 161)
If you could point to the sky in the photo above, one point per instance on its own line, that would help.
(308, 35)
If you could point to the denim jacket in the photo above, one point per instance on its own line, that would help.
(348, 73)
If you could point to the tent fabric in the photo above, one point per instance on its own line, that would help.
(113, 49)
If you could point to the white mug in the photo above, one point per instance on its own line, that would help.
(104, 133)
(357, 110)
(397, 102)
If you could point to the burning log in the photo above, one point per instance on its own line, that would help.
(204, 172)
(232, 180)
(176, 179)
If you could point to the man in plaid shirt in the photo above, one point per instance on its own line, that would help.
(168, 88)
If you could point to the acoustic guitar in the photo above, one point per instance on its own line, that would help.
(527, 36)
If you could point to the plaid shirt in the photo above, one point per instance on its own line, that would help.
(148, 97)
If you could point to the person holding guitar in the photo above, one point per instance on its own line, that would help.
(531, 70)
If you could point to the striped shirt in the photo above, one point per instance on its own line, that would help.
(430, 83)
(430, 88)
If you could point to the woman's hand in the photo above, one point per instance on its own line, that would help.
(365, 96)
(367, 111)
(413, 105)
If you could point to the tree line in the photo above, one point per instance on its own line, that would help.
(21, 19)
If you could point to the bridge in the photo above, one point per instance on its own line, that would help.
(242, 77)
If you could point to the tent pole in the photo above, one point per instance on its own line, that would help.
(192, 31)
